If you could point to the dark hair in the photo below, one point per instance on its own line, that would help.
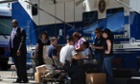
(87, 44)
(70, 39)
(43, 33)
(109, 33)
(77, 35)
(98, 30)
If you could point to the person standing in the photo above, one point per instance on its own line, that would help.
(98, 46)
(38, 55)
(108, 55)
(18, 51)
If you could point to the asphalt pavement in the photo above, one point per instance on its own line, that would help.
(8, 76)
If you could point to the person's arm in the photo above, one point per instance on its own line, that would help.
(62, 60)
(86, 53)
(22, 42)
(108, 47)
(36, 51)
(62, 57)
(75, 55)
(79, 48)
(80, 42)
(101, 45)
(98, 47)
(54, 53)
(78, 57)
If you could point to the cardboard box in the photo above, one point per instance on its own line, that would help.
(96, 78)
(38, 77)
(41, 69)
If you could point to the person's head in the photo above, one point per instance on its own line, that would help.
(44, 35)
(76, 36)
(70, 41)
(14, 23)
(105, 33)
(54, 41)
(98, 32)
(85, 45)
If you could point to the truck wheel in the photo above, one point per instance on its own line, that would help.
(5, 67)
(4, 64)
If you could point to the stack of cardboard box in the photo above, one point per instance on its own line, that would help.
(40, 70)
(95, 78)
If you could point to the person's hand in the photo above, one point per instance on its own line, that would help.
(106, 52)
(84, 57)
(18, 53)
(35, 55)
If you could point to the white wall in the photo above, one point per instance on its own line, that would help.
(135, 4)
(67, 10)
(45, 18)
(27, 7)
(78, 11)
(60, 12)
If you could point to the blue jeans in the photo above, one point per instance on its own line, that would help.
(107, 67)
(99, 58)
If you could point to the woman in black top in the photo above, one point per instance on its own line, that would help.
(108, 55)
(39, 48)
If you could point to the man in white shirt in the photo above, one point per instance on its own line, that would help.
(67, 52)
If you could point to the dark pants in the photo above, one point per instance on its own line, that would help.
(20, 63)
(39, 61)
(107, 67)
(99, 58)
(77, 75)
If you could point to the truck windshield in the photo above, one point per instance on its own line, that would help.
(5, 25)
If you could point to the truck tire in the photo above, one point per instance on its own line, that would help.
(5, 67)
(4, 64)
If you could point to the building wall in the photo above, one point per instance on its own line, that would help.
(67, 10)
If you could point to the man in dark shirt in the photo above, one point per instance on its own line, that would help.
(98, 47)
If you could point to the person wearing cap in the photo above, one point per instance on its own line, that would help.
(98, 46)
